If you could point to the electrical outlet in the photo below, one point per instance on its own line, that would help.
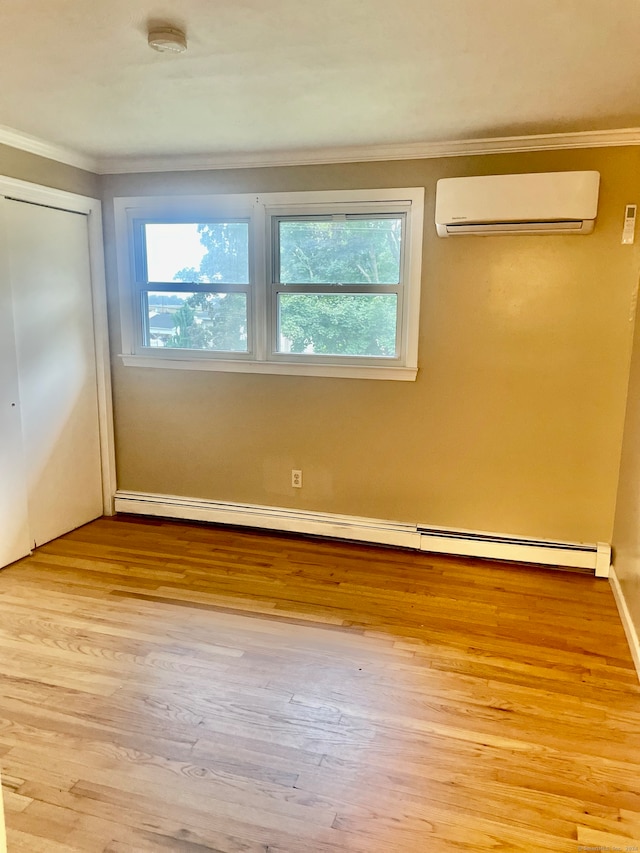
(296, 478)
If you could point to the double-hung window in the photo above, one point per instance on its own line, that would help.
(319, 283)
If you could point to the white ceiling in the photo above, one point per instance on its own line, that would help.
(282, 75)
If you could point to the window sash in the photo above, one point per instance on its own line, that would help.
(276, 354)
(276, 287)
(220, 352)
(277, 219)
(142, 286)
(142, 313)
(140, 245)
(335, 358)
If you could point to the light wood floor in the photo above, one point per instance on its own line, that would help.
(174, 687)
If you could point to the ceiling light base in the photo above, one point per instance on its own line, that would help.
(167, 40)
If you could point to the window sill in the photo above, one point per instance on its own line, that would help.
(342, 371)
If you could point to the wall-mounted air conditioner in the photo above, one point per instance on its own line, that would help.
(542, 203)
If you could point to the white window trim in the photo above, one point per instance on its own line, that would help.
(261, 206)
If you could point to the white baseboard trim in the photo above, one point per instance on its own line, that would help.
(440, 540)
(627, 622)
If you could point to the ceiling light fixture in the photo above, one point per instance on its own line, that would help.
(167, 40)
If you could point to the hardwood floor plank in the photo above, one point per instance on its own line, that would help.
(180, 687)
(26, 842)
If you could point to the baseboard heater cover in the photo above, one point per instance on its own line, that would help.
(439, 540)
(271, 518)
(471, 543)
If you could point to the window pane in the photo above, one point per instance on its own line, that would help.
(206, 252)
(338, 324)
(348, 251)
(201, 321)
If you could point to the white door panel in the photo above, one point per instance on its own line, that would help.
(53, 317)
(14, 528)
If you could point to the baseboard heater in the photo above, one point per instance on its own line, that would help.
(439, 540)
(468, 543)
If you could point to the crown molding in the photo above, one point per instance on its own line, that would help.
(34, 145)
(319, 156)
(372, 153)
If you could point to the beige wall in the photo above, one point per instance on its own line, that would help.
(514, 424)
(626, 536)
(40, 170)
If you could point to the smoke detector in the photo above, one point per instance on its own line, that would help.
(167, 40)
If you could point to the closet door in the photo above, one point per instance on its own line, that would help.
(56, 364)
(14, 527)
